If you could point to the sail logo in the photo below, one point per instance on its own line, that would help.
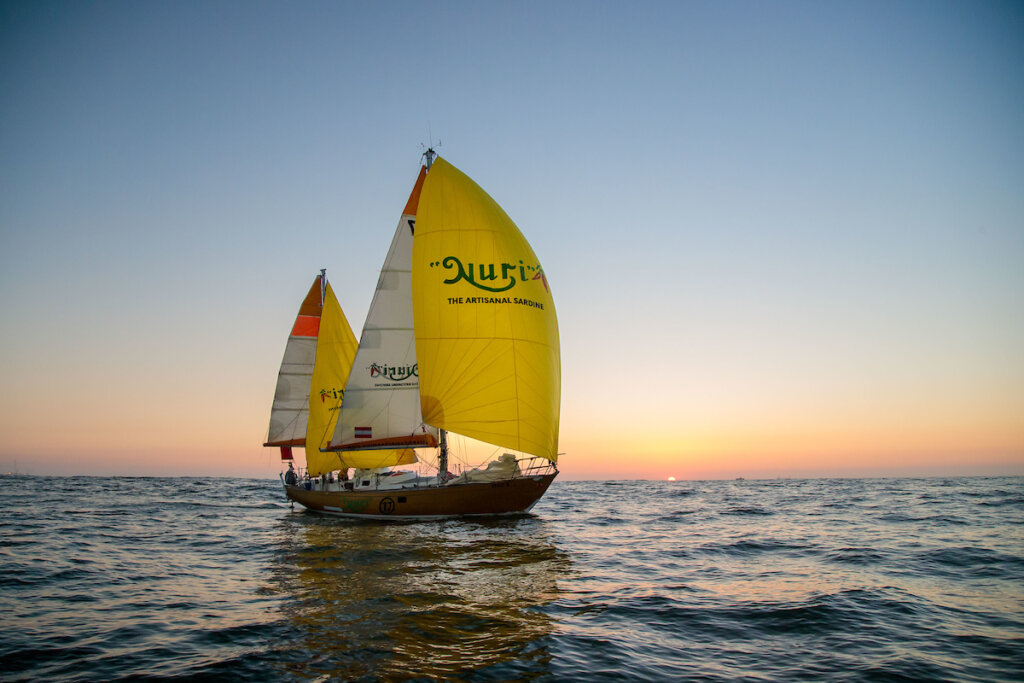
(491, 277)
(394, 373)
(336, 394)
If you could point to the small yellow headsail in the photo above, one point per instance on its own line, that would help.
(336, 350)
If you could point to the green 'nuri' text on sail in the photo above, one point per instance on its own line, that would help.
(502, 275)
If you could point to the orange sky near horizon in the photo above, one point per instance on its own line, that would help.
(189, 439)
(150, 419)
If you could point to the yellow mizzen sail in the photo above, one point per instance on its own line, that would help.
(336, 349)
(486, 330)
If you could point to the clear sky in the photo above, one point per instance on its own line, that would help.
(784, 238)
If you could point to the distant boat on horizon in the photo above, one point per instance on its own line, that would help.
(461, 336)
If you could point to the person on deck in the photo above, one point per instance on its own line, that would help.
(289, 476)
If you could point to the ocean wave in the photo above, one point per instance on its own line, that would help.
(179, 579)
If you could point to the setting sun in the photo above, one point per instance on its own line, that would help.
(671, 478)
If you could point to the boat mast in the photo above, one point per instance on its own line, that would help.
(442, 456)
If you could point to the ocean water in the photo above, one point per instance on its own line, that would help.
(848, 580)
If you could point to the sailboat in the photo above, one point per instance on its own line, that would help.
(460, 338)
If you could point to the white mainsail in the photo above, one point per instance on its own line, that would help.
(382, 400)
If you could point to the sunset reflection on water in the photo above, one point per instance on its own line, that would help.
(432, 599)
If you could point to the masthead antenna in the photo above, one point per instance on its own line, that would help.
(429, 152)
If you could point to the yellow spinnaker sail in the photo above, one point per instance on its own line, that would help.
(486, 331)
(336, 349)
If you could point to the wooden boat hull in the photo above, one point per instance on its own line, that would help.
(511, 496)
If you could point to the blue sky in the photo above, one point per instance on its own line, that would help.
(787, 236)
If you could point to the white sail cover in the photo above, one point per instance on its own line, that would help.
(382, 399)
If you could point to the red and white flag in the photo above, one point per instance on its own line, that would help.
(364, 432)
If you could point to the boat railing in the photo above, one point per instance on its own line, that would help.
(535, 467)
(525, 467)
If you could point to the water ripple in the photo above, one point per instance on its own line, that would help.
(183, 579)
